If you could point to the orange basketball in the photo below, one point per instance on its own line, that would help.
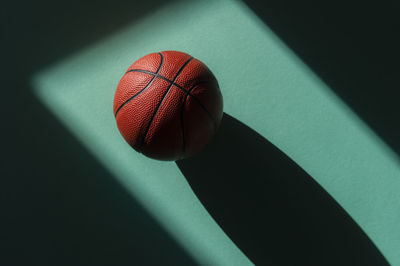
(168, 105)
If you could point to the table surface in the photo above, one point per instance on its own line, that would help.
(264, 85)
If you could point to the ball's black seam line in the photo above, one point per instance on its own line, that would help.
(201, 105)
(147, 86)
(162, 100)
(182, 111)
(151, 73)
(159, 76)
(180, 87)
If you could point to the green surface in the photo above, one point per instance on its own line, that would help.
(264, 85)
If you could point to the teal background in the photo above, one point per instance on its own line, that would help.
(265, 85)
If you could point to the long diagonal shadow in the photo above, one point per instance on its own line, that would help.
(272, 209)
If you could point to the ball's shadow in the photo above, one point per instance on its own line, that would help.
(271, 208)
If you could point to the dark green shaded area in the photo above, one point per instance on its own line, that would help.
(59, 206)
(353, 46)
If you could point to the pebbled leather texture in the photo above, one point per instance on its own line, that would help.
(168, 105)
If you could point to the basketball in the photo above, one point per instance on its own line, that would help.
(168, 105)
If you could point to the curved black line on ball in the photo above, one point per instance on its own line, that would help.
(181, 88)
(150, 73)
(147, 86)
(214, 122)
(161, 102)
(182, 111)
(201, 105)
